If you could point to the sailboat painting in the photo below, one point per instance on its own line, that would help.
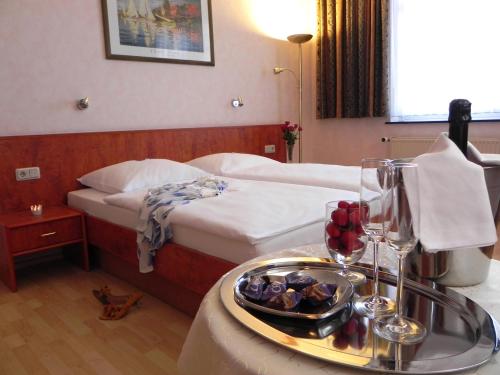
(174, 31)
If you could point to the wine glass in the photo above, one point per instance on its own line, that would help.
(400, 235)
(344, 237)
(373, 194)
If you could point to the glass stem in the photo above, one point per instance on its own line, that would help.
(344, 270)
(399, 296)
(376, 243)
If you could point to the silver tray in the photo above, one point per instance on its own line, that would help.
(461, 335)
(341, 298)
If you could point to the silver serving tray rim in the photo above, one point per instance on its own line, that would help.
(342, 295)
(487, 344)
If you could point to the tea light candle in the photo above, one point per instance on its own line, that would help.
(36, 209)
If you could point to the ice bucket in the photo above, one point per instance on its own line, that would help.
(460, 267)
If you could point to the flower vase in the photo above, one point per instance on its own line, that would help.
(290, 151)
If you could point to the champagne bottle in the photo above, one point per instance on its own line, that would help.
(459, 117)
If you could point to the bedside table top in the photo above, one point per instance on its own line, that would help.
(23, 218)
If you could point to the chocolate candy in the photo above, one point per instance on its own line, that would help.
(254, 288)
(298, 281)
(274, 289)
(318, 293)
(285, 301)
(272, 278)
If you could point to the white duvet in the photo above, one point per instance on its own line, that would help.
(325, 175)
(250, 211)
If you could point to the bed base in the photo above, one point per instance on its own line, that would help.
(181, 278)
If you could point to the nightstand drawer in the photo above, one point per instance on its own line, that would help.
(45, 234)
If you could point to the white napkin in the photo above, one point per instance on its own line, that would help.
(455, 211)
(474, 155)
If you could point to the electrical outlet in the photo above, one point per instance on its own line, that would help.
(29, 173)
(269, 149)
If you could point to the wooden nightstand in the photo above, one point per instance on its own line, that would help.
(21, 233)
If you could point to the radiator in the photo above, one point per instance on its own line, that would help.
(404, 147)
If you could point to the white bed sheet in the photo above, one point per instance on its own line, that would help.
(218, 245)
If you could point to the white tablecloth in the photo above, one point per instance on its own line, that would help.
(218, 344)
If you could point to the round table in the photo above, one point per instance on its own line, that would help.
(218, 344)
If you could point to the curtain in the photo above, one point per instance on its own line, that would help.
(352, 61)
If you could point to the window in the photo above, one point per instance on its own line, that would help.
(443, 50)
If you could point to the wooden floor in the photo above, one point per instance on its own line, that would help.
(51, 326)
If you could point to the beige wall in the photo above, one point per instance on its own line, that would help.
(53, 54)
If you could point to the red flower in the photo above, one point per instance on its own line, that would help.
(290, 132)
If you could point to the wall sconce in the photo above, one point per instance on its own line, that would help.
(279, 69)
(236, 103)
(297, 39)
(83, 103)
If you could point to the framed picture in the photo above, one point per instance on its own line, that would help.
(171, 31)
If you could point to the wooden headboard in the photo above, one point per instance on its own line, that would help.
(64, 157)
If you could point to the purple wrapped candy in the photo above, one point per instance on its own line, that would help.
(318, 293)
(285, 301)
(254, 288)
(298, 281)
(272, 278)
(274, 289)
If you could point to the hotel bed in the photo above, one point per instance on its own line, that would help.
(254, 167)
(210, 235)
(182, 273)
(250, 219)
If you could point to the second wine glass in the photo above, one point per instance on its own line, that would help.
(373, 195)
(401, 237)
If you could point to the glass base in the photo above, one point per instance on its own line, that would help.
(401, 330)
(374, 306)
(355, 278)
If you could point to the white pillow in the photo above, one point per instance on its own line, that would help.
(133, 175)
(223, 163)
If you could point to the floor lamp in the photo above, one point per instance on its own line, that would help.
(297, 39)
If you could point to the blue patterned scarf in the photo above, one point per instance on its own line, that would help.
(154, 228)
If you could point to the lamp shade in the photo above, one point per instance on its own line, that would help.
(299, 38)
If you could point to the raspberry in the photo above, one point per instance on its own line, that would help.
(348, 239)
(343, 204)
(354, 205)
(356, 342)
(350, 328)
(340, 217)
(341, 342)
(344, 251)
(332, 230)
(359, 230)
(358, 245)
(333, 243)
(354, 218)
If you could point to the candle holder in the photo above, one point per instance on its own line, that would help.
(36, 209)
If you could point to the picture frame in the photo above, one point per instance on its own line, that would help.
(168, 31)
